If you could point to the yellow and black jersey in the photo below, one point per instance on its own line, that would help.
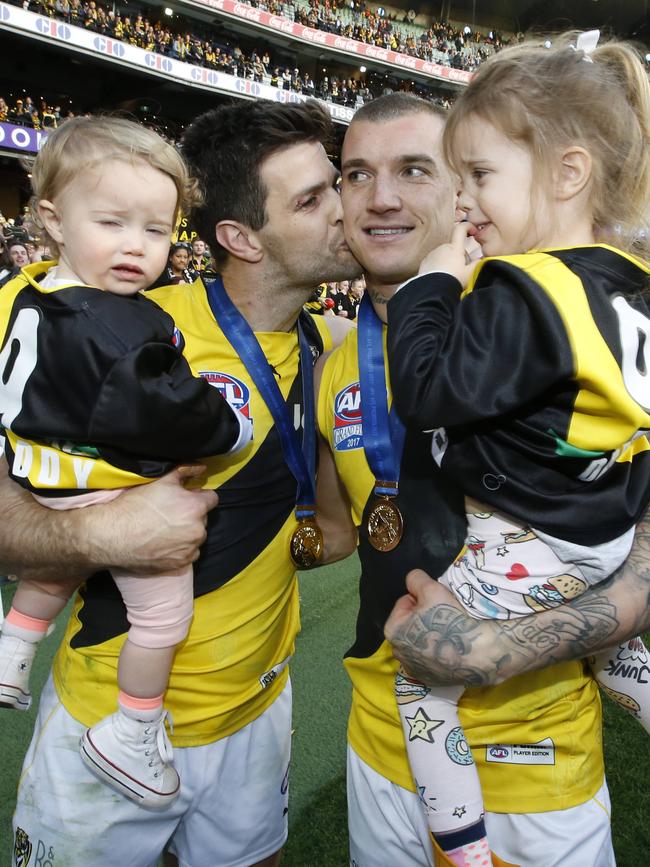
(537, 738)
(319, 294)
(232, 665)
(97, 393)
(537, 384)
(203, 267)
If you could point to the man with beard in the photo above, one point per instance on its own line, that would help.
(272, 216)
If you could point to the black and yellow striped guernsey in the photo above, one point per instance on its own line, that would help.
(95, 392)
(229, 670)
(537, 382)
(536, 739)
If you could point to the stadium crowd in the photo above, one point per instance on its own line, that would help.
(439, 43)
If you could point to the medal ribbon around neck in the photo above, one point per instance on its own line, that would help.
(383, 432)
(301, 459)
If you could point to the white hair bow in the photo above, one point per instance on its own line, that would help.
(586, 42)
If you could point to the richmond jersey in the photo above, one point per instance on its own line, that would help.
(537, 384)
(536, 739)
(233, 664)
(95, 391)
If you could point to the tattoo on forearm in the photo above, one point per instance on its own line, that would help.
(443, 645)
(440, 636)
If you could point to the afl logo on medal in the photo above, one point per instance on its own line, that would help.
(234, 390)
(348, 428)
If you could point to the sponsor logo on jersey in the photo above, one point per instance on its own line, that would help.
(348, 427)
(541, 753)
(177, 339)
(234, 390)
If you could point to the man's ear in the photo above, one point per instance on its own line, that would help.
(49, 217)
(573, 172)
(239, 241)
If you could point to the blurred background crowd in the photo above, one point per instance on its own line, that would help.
(213, 47)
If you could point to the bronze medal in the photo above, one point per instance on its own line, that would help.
(306, 544)
(385, 525)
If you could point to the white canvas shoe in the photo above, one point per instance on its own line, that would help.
(133, 757)
(16, 657)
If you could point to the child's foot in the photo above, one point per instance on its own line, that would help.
(134, 758)
(16, 657)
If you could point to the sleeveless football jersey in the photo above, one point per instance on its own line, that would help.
(233, 663)
(536, 739)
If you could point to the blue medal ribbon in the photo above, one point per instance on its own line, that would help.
(301, 459)
(383, 432)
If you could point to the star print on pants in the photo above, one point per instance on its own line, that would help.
(420, 726)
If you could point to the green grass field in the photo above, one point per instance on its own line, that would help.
(318, 836)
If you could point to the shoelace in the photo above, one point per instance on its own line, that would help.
(164, 750)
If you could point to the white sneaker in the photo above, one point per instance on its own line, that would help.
(134, 758)
(16, 657)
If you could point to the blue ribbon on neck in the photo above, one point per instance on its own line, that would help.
(383, 433)
(300, 458)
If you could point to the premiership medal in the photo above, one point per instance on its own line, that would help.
(383, 433)
(306, 544)
(385, 525)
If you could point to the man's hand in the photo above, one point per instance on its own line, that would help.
(150, 529)
(157, 527)
(452, 258)
(436, 640)
(440, 644)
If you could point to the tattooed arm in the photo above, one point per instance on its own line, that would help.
(439, 643)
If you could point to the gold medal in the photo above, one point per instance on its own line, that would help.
(385, 525)
(306, 546)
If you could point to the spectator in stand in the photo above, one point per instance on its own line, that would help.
(349, 296)
(18, 253)
(201, 262)
(440, 43)
(339, 293)
(19, 116)
(178, 266)
(320, 302)
(17, 256)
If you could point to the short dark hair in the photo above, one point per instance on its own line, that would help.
(225, 149)
(393, 105)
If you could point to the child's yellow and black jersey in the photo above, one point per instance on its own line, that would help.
(538, 383)
(230, 668)
(96, 391)
(536, 739)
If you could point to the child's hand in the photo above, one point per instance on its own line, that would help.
(451, 258)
